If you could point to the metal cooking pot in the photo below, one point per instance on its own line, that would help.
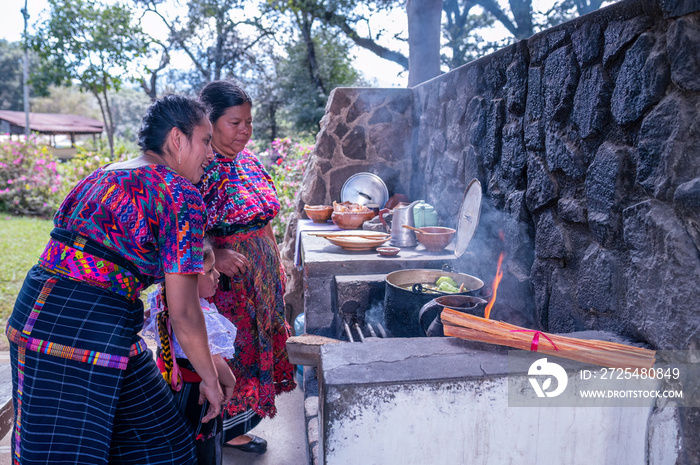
(402, 303)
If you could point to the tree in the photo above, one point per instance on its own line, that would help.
(423, 40)
(305, 87)
(211, 37)
(11, 54)
(91, 44)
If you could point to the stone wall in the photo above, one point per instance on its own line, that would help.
(586, 140)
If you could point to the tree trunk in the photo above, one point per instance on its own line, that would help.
(305, 27)
(423, 40)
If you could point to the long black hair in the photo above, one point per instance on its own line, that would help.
(171, 111)
(219, 96)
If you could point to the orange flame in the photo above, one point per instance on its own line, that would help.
(496, 281)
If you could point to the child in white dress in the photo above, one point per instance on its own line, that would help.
(181, 376)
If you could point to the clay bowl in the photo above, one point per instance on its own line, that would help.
(435, 238)
(388, 251)
(318, 213)
(351, 220)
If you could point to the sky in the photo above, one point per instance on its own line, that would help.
(382, 72)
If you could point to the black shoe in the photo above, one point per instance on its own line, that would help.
(256, 444)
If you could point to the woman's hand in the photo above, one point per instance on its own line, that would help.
(231, 263)
(211, 392)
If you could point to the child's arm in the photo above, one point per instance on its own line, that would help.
(226, 377)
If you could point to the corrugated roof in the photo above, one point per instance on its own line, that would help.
(50, 123)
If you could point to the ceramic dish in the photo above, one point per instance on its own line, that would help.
(358, 240)
(388, 251)
(318, 213)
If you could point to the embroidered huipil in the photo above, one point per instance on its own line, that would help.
(238, 192)
(150, 215)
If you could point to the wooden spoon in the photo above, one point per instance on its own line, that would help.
(413, 229)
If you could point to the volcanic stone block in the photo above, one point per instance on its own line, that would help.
(563, 154)
(683, 45)
(572, 210)
(556, 38)
(642, 80)
(539, 49)
(599, 283)
(586, 41)
(550, 241)
(686, 201)
(592, 102)
(562, 307)
(561, 76)
(516, 83)
(534, 110)
(514, 154)
(540, 279)
(662, 281)
(674, 8)
(541, 187)
(667, 148)
(618, 34)
(495, 70)
(491, 149)
(605, 187)
(475, 120)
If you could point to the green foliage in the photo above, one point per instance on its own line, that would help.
(286, 161)
(22, 240)
(11, 97)
(29, 179)
(90, 43)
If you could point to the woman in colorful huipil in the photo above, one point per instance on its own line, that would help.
(86, 389)
(241, 201)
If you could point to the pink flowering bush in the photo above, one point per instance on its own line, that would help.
(29, 179)
(286, 162)
(85, 162)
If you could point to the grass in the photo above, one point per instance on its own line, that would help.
(22, 239)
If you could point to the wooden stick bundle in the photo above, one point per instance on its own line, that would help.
(608, 354)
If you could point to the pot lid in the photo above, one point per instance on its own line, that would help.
(365, 189)
(468, 216)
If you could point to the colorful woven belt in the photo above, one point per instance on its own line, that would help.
(73, 262)
(79, 355)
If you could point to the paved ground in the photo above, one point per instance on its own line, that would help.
(285, 434)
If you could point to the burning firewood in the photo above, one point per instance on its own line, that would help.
(608, 354)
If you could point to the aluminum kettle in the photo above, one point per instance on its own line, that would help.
(402, 215)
